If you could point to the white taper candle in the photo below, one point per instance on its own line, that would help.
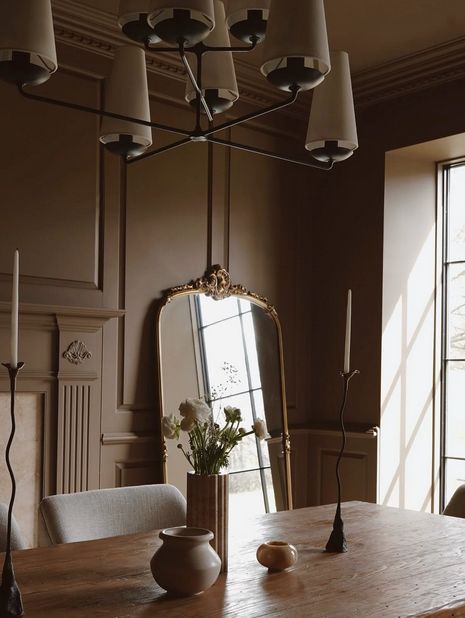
(14, 312)
(348, 332)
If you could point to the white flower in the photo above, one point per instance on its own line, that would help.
(170, 427)
(187, 424)
(194, 410)
(260, 429)
(232, 414)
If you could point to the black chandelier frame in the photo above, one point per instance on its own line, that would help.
(199, 133)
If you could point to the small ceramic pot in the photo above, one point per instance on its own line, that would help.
(277, 555)
(186, 563)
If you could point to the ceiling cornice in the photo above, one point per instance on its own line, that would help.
(96, 31)
(413, 73)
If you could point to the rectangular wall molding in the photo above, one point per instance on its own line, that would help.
(314, 453)
(127, 438)
(134, 473)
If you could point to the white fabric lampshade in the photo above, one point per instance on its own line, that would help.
(296, 45)
(27, 42)
(332, 116)
(219, 85)
(126, 93)
(247, 18)
(194, 25)
(133, 20)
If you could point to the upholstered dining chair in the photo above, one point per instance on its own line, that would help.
(456, 505)
(101, 513)
(17, 539)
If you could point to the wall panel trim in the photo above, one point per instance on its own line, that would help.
(128, 437)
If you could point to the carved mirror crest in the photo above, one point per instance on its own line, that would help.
(223, 343)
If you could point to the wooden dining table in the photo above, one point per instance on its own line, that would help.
(399, 563)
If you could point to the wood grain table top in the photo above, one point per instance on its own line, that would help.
(399, 563)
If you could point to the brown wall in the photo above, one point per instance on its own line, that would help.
(95, 235)
(347, 247)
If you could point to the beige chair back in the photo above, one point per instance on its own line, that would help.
(456, 506)
(102, 513)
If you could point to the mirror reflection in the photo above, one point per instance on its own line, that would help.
(228, 353)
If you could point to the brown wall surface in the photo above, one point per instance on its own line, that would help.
(347, 247)
(96, 235)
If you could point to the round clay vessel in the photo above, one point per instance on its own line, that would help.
(277, 555)
(186, 563)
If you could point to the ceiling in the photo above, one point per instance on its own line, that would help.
(375, 32)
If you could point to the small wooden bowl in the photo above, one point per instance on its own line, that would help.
(277, 555)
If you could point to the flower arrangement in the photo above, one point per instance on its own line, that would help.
(209, 443)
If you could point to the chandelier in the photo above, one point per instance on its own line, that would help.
(296, 58)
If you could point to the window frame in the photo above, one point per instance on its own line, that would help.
(442, 324)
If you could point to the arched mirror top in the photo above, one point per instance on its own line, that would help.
(217, 284)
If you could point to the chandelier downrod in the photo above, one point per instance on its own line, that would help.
(197, 87)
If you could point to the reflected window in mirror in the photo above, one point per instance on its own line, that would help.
(230, 372)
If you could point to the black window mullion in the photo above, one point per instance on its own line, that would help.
(237, 394)
(250, 470)
(449, 262)
(230, 317)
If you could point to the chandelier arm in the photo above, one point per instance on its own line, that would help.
(273, 155)
(100, 112)
(234, 48)
(252, 115)
(159, 151)
(202, 48)
(193, 81)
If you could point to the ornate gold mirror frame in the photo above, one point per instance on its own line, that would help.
(216, 283)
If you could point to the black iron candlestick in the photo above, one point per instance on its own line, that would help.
(337, 541)
(11, 603)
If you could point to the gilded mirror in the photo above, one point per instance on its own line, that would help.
(222, 343)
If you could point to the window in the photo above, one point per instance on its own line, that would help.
(231, 375)
(453, 332)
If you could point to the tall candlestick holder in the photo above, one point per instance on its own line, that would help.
(337, 541)
(11, 603)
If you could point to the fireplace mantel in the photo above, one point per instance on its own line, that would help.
(60, 395)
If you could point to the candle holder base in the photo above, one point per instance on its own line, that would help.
(337, 543)
(11, 603)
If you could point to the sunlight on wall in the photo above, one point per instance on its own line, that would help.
(406, 445)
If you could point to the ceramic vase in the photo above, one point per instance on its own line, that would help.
(207, 507)
(277, 555)
(185, 564)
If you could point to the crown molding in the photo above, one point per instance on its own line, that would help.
(96, 31)
(413, 73)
